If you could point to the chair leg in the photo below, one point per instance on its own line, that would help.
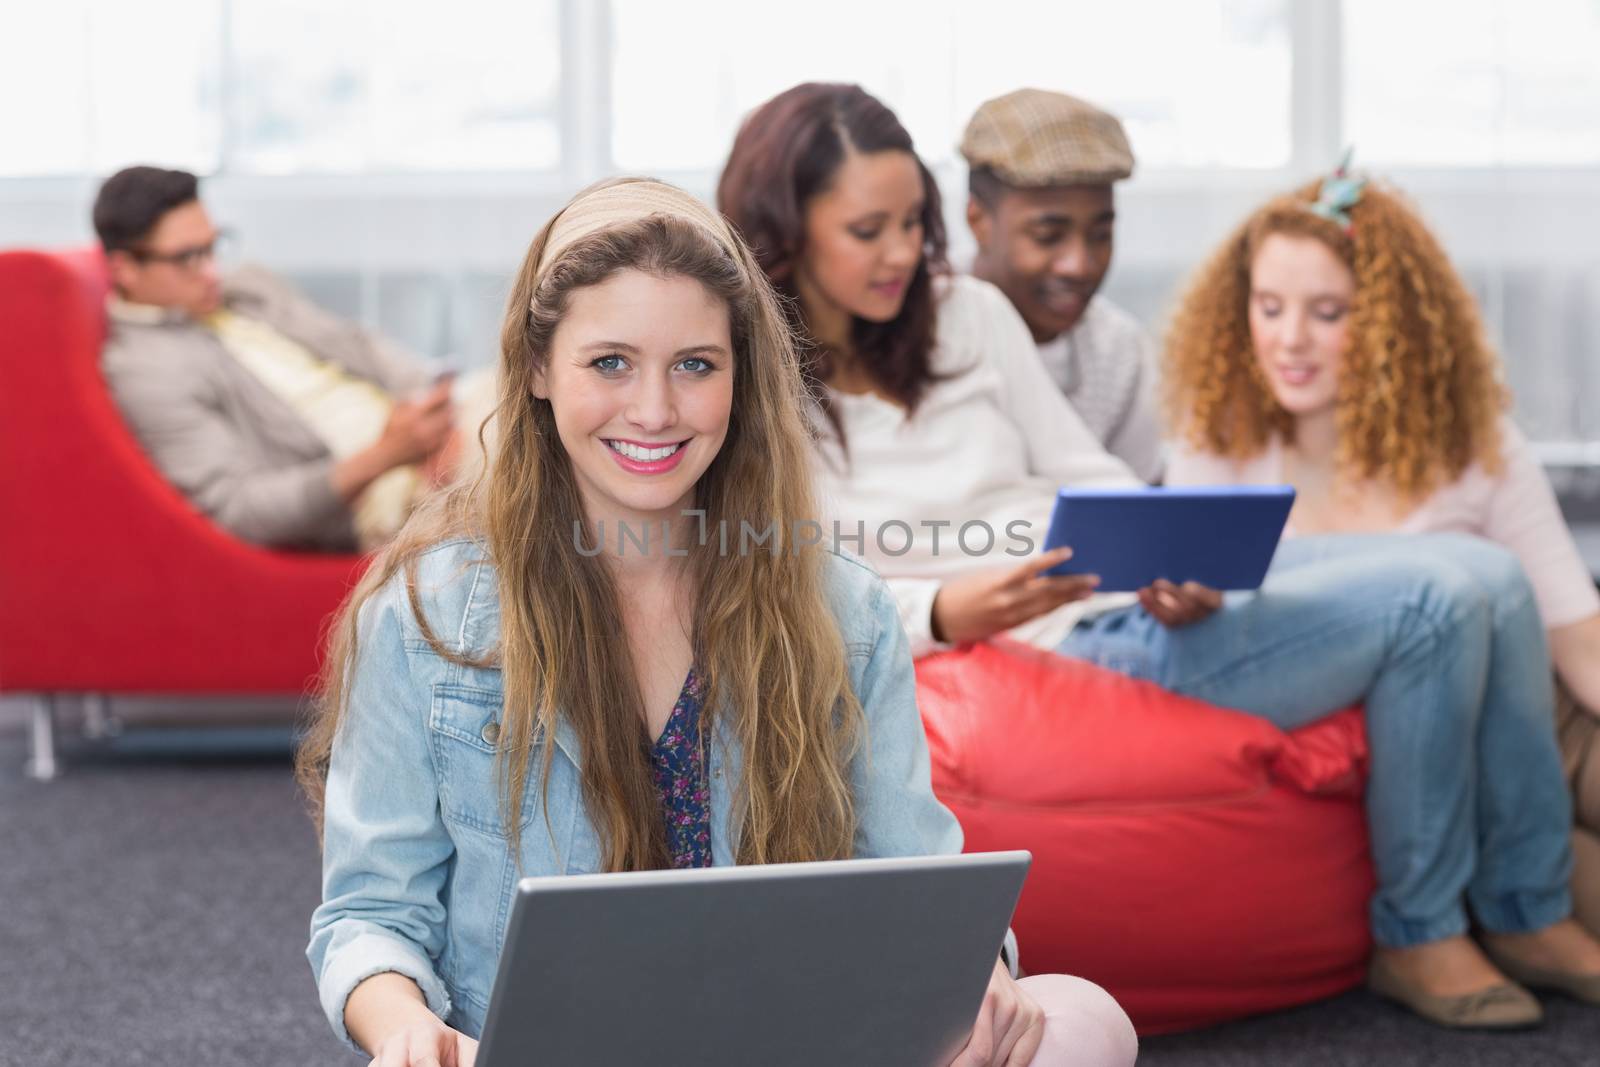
(98, 722)
(41, 765)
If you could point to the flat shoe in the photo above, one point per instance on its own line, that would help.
(1500, 1007)
(1584, 988)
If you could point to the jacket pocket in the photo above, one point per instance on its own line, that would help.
(464, 729)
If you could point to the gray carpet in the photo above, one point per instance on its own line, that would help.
(155, 905)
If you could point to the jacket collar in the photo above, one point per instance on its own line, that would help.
(127, 312)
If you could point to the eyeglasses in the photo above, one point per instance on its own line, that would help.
(187, 259)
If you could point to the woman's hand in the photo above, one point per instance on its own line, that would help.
(1009, 1027)
(424, 1044)
(980, 605)
(387, 1016)
(419, 425)
(1179, 605)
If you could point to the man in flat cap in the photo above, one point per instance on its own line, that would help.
(1041, 207)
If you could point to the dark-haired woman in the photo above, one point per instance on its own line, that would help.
(943, 444)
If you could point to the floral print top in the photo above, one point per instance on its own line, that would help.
(679, 768)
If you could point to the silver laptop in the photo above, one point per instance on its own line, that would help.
(880, 962)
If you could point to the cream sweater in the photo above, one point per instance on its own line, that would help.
(985, 452)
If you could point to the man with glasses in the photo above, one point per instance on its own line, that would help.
(285, 424)
(1042, 210)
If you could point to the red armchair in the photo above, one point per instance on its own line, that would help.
(111, 581)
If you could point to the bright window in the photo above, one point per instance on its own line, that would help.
(1211, 88)
(1199, 84)
(92, 85)
(1473, 83)
(307, 86)
(394, 85)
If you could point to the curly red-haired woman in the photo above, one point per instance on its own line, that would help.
(1330, 344)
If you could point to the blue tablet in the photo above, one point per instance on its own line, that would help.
(1222, 536)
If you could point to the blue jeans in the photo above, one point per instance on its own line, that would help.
(1440, 636)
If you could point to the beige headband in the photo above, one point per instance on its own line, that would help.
(626, 200)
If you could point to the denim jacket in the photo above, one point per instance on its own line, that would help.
(417, 875)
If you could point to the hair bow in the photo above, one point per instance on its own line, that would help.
(1340, 192)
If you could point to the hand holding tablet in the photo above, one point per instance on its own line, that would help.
(975, 606)
(1220, 537)
(1179, 605)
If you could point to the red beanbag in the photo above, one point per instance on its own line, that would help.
(1197, 862)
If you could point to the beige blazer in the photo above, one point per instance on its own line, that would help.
(230, 444)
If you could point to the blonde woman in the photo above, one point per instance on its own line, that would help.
(519, 686)
(1330, 344)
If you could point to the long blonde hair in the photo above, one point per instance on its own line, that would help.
(1420, 391)
(765, 640)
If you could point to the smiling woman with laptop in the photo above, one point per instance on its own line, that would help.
(618, 651)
